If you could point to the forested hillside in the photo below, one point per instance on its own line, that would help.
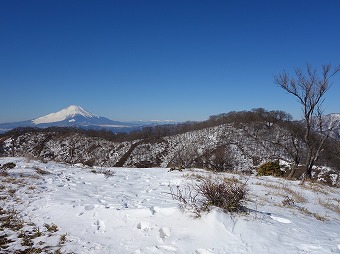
(237, 141)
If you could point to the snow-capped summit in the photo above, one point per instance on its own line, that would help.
(72, 116)
(76, 116)
(64, 114)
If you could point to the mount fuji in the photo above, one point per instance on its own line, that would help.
(67, 114)
(73, 116)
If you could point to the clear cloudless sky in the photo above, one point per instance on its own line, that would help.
(160, 59)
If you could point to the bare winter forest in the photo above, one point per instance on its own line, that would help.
(236, 141)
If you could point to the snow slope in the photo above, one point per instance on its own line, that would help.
(132, 212)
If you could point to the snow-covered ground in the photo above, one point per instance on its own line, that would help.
(132, 212)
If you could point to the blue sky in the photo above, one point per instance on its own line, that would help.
(145, 60)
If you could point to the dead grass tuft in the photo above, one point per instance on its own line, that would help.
(41, 171)
(315, 215)
(328, 204)
(296, 196)
(51, 228)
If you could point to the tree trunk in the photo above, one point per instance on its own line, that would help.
(308, 174)
(292, 172)
(309, 164)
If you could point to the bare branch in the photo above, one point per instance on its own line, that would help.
(310, 88)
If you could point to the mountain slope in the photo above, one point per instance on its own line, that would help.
(221, 148)
(332, 121)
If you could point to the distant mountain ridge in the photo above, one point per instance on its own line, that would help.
(330, 124)
(76, 116)
(332, 121)
(235, 145)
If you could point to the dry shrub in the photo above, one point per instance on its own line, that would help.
(5, 241)
(228, 193)
(288, 201)
(41, 171)
(270, 168)
(10, 219)
(108, 173)
(62, 239)
(5, 167)
(8, 165)
(51, 228)
(187, 199)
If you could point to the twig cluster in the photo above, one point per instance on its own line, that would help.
(228, 193)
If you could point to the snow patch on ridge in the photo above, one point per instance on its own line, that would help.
(64, 114)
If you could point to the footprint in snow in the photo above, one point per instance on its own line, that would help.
(279, 219)
(89, 207)
(144, 226)
(100, 226)
(154, 210)
(164, 232)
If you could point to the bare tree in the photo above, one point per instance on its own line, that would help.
(309, 88)
(291, 140)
